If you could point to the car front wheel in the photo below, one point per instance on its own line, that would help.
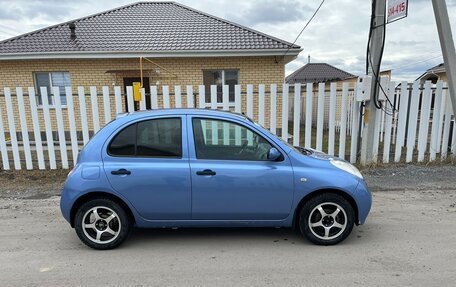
(326, 219)
(102, 224)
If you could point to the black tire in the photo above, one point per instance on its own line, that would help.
(339, 226)
(120, 224)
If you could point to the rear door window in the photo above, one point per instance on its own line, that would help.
(151, 138)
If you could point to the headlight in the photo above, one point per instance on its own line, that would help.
(348, 167)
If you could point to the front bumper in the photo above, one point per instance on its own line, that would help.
(363, 200)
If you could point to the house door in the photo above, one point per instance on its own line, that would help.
(129, 82)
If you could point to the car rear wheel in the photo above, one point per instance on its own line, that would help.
(326, 219)
(102, 224)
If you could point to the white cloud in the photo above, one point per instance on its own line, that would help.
(338, 34)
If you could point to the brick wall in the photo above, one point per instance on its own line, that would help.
(252, 70)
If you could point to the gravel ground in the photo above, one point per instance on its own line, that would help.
(408, 240)
(40, 184)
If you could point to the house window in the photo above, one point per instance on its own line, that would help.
(49, 80)
(220, 78)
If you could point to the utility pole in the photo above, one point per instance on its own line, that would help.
(368, 155)
(447, 45)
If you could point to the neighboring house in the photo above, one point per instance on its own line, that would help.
(320, 73)
(317, 73)
(181, 46)
(324, 73)
(434, 74)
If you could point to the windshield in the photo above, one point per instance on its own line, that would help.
(269, 132)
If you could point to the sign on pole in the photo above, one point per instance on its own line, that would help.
(397, 9)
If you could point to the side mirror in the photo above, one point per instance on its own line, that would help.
(274, 154)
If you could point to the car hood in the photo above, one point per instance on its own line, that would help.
(314, 153)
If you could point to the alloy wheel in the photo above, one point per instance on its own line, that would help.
(101, 224)
(327, 220)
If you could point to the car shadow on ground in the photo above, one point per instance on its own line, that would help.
(214, 236)
(195, 235)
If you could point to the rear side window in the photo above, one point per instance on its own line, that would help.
(152, 138)
(124, 142)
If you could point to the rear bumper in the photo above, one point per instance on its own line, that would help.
(65, 206)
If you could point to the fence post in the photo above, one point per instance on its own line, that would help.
(402, 120)
(297, 114)
(3, 149)
(83, 115)
(178, 97)
(413, 118)
(388, 123)
(308, 126)
(94, 104)
(320, 115)
(332, 118)
(153, 97)
(202, 97)
(355, 131)
(226, 97)
(226, 107)
(436, 122)
(213, 97)
(142, 101)
(60, 128)
(12, 129)
(24, 129)
(285, 112)
(273, 113)
(237, 109)
(190, 103)
(166, 103)
(36, 128)
(343, 121)
(261, 104)
(106, 105)
(118, 100)
(424, 120)
(72, 123)
(48, 127)
(250, 101)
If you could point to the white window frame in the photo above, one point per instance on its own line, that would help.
(220, 105)
(38, 90)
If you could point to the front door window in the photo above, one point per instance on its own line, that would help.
(223, 140)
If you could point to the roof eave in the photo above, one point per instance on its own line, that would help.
(290, 54)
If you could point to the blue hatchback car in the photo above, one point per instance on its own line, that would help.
(206, 168)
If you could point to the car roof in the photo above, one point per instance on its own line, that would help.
(182, 111)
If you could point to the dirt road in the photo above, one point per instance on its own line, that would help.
(409, 239)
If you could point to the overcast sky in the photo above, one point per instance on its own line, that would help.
(337, 35)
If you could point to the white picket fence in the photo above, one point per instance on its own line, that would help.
(417, 129)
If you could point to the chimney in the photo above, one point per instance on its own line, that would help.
(72, 27)
(308, 59)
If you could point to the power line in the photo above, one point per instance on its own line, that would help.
(307, 24)
(413, 63)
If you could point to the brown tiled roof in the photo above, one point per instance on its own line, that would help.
(145, 26)
(317, 72)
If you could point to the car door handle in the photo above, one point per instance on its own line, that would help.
(205, 172)
(121, 171)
